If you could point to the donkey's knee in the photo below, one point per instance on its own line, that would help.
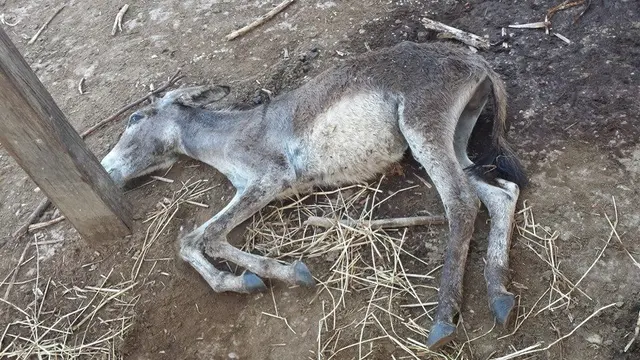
(188, 244)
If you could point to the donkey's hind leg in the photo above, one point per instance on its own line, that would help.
(461, 206)
(500, 200)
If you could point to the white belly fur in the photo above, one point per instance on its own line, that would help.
(354, 140)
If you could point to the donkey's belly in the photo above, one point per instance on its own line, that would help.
(354, 140)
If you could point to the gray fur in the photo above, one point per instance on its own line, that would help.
(346, 125)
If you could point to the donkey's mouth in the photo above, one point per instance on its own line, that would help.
(117, 176)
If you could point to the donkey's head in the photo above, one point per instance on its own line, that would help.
(151, 140)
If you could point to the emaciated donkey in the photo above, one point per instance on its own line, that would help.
(346, 125)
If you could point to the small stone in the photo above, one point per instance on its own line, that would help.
(422, 36)
(398, 21)
(566, 235)
(313, 53)
(594, 339)
(362, 31)
(233, 355)
(620, 304)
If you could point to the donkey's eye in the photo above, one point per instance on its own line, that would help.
(135, 117)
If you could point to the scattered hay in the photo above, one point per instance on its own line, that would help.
(541, 241)
(370, 288)
(100, 315)
(166, 210)
(376, 289)
(99, 320)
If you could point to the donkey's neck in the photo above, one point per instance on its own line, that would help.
(205, 133)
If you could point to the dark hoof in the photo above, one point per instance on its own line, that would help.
(303, 275)
(252, 283)
(502, 306)
(441, 334)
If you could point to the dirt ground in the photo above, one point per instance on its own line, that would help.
(574, 122)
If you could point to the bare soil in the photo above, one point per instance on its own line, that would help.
(574, 122)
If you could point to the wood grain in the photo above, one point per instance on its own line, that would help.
(37, 135)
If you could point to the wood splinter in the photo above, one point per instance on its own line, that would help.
(261, 20)
(378, 223)
(457, 34)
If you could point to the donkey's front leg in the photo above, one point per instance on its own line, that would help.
(253, 198)
(192, 251)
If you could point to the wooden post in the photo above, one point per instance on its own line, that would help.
(36, 133)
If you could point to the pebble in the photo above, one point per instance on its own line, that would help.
(233, 355)
(594, 339)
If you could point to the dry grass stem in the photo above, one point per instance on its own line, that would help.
(44, 26)
(365, 264)
(636, 332)
(167, 209)
(15, 273)
(45, 328)
(81, 86)
(536, 348)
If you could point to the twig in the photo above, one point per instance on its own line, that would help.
(565, 5)
(35, 215)
(586, 8)
(35, 37)
(462, 36)
(80, 86)
(15, 272)
(44, 224)
(171, 81)
(535, 25)
(635, 335)
(117, 24)
(563, 38)
(163, 179)
(378, 224)
(196, 203)
(261, 20)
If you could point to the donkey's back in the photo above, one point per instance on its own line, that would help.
(346, 122)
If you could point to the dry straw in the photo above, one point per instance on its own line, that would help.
(376, 291)
(85, 322)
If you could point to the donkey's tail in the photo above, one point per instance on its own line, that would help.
(499, 160)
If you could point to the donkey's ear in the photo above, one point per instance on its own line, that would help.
(197, 96)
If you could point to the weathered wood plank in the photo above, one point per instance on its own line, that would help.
(36, 133)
